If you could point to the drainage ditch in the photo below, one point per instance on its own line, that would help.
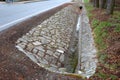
(58, 46)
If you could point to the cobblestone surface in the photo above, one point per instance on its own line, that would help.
(47, 43)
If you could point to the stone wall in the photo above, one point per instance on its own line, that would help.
(47, 43)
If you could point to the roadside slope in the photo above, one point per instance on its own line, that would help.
(15, 65)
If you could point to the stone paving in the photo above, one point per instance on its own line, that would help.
(47, 43)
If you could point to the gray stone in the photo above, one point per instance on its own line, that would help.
(48, 58)
(58, 40)
(59, 64)
(36, 43)
(57, 54)
(60, 51)
(40, 53)
(62, 58)
(22, 45)
(45, 41)
(43, 61)
(49, 52)
(35, 51)
(53, 68)
(62, 69)
(54, 60)
(52, 43)
(30, 47)
(52, 32)
(40, 26)
(43, 33)
(31, 32)
(36, 33)
(21, 40)
(40, 48)
(60, 48)
(47, 37)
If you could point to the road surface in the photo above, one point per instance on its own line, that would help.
(11, 14)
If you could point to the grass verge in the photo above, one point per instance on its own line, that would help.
(106, 29)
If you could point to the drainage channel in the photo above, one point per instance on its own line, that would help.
(58, 46)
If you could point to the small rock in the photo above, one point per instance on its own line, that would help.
(60, 51)
(40, 53)
(36, 43)
(57, 54)
(62, 69)
(30, 47)
(49, 52)
(40, 48)
(61, 58)
(35, 51)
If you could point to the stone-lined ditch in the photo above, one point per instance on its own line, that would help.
(55, 44)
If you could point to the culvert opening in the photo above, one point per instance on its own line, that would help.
(55, 44)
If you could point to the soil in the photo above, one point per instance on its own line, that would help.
(15, 65)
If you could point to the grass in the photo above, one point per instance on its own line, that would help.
(115, 18)
(89, 8)
(100, 32)
(117, 29)
(86, 1)
(100, 35)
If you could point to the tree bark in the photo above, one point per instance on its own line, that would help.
(110, 6)
(97, 3)
(93, 3)
(105, 4)
(101, 4)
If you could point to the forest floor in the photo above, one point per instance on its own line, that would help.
(106, 32)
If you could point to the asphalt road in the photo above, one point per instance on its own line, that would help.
(13, 13)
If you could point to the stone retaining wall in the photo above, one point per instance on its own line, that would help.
(47, 43)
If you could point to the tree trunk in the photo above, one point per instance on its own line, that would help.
(110, 6)
(104, 4)
(93, 3)
(101, 4)
(97, 3)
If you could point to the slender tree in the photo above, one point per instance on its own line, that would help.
(91, 1)
(96, 3)
(110, 6)
(102, 3)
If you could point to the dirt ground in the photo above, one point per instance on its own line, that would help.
(15, 65)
